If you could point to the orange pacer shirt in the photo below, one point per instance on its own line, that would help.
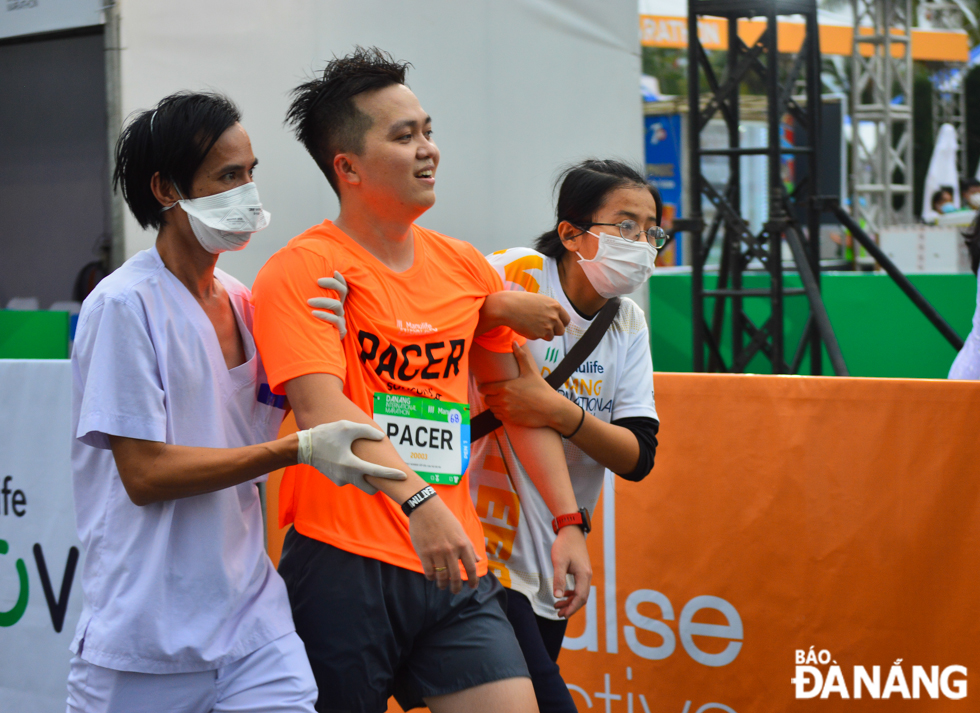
(407, 333)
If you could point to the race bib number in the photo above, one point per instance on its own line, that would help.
(432, 437)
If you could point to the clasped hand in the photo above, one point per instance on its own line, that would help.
(527, 400)
(530, 314)
(327, 448)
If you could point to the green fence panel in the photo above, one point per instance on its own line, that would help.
(33, 335)
(881, 333)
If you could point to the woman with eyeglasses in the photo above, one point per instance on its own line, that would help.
(603, 246)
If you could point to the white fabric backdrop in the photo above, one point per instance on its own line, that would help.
(516, 89)
(35, 424)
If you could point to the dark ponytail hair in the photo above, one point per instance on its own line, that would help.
(583, 191)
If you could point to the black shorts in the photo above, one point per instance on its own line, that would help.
(373, 630)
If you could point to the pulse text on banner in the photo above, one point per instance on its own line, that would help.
(800, 542)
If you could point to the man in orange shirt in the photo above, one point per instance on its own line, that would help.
(375, 581)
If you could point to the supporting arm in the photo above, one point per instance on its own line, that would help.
(540, 452)
(530, 401)
(153, 472)
(532, 315)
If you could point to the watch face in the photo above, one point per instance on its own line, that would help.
(586, 520)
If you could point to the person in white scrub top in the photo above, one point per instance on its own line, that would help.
(967, 362)
(174, 426)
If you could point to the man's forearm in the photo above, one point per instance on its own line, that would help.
(530, 314)
(437, 535)
(538, 449)
(540, 452)
(319, 398)
(153, 472)
(491, 313)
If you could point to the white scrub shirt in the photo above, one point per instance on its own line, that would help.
(182, 585)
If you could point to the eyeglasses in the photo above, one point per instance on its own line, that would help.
(630, 230)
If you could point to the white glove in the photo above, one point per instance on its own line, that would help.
(327, 448)
(336, 318)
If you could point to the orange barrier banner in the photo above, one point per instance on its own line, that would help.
(927, 45)
(801, 541)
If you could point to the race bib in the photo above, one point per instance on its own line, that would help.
(432, 437)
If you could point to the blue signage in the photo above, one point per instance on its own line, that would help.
(663, 164)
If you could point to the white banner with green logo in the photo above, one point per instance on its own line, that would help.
(40, 589)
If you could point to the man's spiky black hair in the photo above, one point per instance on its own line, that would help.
(323, 114)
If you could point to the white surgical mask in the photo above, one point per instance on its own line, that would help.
(974, 200)
(620, 266)
(225, 221)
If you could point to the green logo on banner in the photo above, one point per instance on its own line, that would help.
(11, 617)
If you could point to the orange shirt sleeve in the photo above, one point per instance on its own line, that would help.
(291, 341)
(501, 339)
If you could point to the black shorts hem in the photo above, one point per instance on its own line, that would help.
(373, 629)
(461, 685)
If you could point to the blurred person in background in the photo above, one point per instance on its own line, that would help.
(967, 362)
(942, 200)
(971, 194)
(174, 426)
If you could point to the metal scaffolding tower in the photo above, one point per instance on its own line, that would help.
(790, 209)
(881, 113)
(948, 89)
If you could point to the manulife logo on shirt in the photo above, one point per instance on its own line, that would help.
(432, 437)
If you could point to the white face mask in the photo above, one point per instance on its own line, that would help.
(974, 200)
(225, 221)
(620, 266)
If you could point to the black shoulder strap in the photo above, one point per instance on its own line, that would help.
(486, 422)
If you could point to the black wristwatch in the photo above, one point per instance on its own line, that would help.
(410, 505)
